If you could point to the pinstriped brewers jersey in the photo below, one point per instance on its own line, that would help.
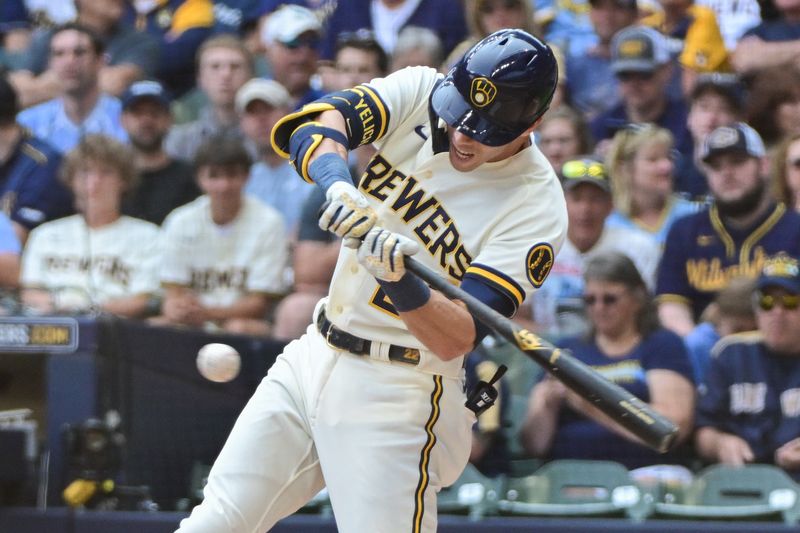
(501, 223)
(383, 434)
(701, 254)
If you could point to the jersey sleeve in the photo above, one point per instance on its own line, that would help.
(145, 259)
(32, 272)
(665, 350)
(672, 282)
(712, 401)
(175, 253)
(403, 92)
(266, 270)
(518, 258)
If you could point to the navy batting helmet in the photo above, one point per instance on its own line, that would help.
(499, 88)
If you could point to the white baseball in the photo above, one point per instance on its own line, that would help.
(218, 362)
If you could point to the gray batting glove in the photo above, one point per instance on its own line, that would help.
(381, 253)
(348, 213)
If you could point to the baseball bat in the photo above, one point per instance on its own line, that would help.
(619, 404)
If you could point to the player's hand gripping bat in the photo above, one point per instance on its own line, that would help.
(619, 404)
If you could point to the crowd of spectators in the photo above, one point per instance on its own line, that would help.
(137, 178)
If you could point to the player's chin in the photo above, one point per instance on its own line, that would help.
(463, 162)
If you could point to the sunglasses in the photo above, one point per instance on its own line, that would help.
(583, 169)
(488, 7)
(299, 42)
(606, 299)
(794, 163)
(767, 302)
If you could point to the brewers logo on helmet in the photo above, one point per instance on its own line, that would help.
(499, 89)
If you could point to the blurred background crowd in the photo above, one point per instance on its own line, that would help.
(137, 179)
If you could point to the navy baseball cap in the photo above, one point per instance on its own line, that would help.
(736, 138)
(145, 89)
(585, 170)
(638, 49)
(780, 271)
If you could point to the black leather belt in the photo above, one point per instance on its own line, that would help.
(358, 346)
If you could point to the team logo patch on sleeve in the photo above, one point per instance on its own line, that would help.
(482, 92)
(539, 262)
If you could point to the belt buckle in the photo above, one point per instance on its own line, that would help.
(328, 336)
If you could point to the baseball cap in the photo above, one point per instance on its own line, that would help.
(627, 4)
(269, 91)
(145, 89)
(736, 138)
(638, 49)
(584, 170)
(288, 23)
(725, 85)
(780, 271)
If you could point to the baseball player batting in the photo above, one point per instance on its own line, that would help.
(370, 402)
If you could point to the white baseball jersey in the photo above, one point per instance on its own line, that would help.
(114, 261)
(502, 223)
(223, 263)
(385, 436)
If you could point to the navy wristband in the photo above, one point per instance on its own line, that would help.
(327, 169)
(407, 294)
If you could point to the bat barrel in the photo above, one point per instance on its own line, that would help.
(630, 412)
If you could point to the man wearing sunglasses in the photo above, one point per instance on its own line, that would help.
(749, 410)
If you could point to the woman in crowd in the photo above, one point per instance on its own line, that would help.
(626, 345)
(562, 136)
(640, 161)
(786, 171)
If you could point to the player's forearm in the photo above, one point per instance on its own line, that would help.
(443, 326)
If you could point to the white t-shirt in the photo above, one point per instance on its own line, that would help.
(114, 261)
(223, 263)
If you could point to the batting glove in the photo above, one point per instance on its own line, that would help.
(348, 213)
(381, 253)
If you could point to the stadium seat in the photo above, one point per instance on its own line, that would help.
(573, 488)
(472, 494)
(721, 492)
